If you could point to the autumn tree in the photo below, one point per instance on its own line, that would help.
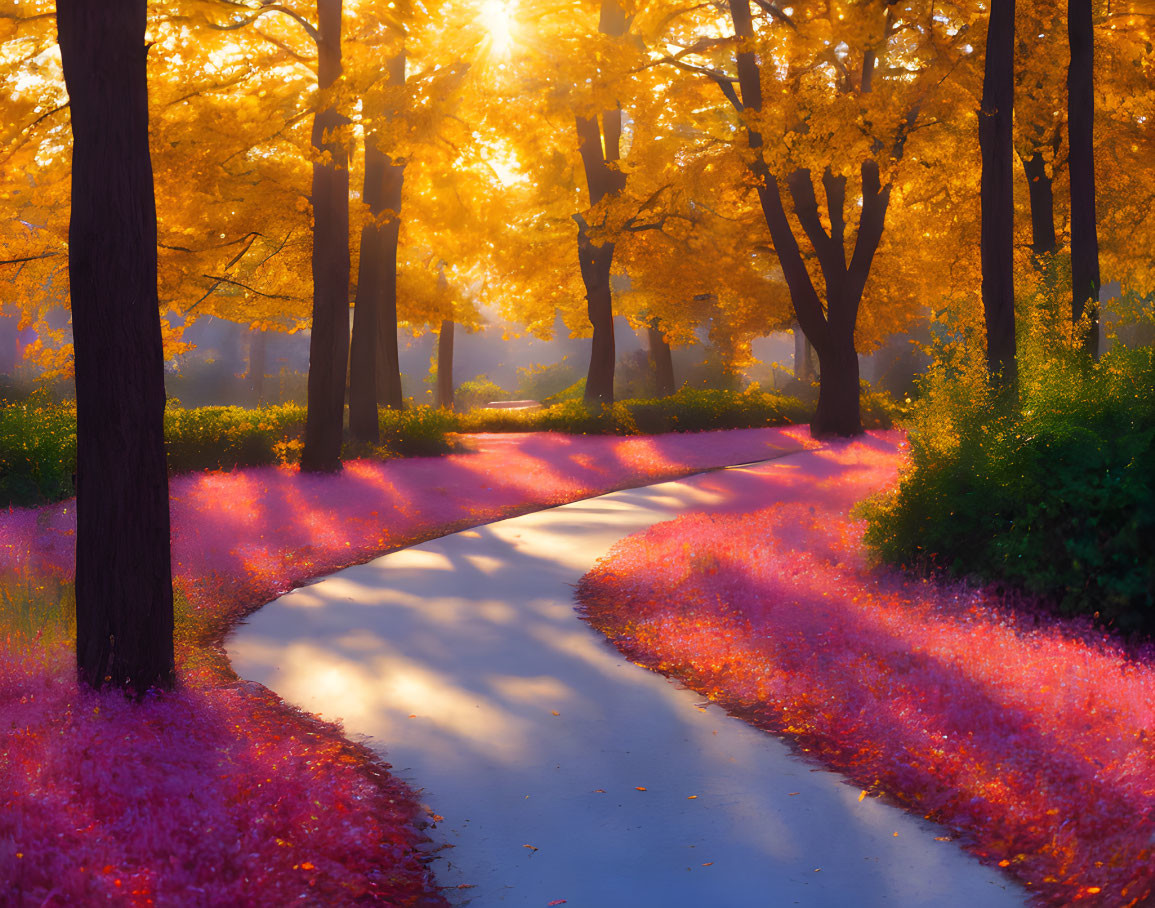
(997, 199)
(872, 65)
(329, 341)
(124, 604)
(1039, 117)
(1081, 162)
(599, 141)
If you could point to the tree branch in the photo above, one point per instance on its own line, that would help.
(310, 30)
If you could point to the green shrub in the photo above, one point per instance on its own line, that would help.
(546, 381)
(416, 432)
(1055, 496)
(37, 451)
(221, 438)
(38, 442)
(477, 392)
(689, 410)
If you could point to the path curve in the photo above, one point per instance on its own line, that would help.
(563, 771)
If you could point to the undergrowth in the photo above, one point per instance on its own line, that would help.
(1053, 493)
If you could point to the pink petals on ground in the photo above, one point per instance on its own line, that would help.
(222, 796)
(1032, 737)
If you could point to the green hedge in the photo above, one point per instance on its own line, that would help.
(38, 438)
(38, 442)
(1055, 497)
(689, 410)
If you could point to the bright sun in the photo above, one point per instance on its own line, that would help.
(495, 18)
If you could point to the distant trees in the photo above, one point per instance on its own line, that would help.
(124, 606)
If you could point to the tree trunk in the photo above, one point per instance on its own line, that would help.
(258, 364)
(838, 411)
(329, 344)
(388, 360)
(374, 375)
(595, 267)
(600, 147)
(996, 194)
(445, 365)
(803, 356)
(363, 424)
(1081, 162)
(1041, 189)
(660, 359)
(124, 611)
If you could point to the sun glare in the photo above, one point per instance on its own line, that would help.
(495, 18)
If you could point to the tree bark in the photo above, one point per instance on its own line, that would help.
(329, 344)
(600, 147)
(661, 359)
(996, 194)
(375, 378)
(1041, 189)
(258, 364)
(124, 611)
(388, 359)
(1081, 162)
(803, 364)
(445, 365)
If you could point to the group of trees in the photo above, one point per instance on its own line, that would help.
(657, 160)
(997, 142)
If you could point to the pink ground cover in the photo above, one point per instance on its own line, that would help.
(218, 794)
(1031, 738)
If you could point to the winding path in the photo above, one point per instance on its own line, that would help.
(562, 771)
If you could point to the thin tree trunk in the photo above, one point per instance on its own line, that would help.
(803, 363)
(388, 360)
(258, 364)
(1041, 189)
(996, 194)
(661, 359)
(1081, 162)
(363, 424)
(595, 264)
(374, 375)
(329, 344)
(124, 611)
(600, 147)
(445, 365)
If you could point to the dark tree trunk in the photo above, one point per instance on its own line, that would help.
(803, 363)
(838, 411)
(1081, 161)
(660, 359)
(388, 360)
(595, 267)
(996, 194)
(1041, 188)
(329, 344)
(445, 365)
(600, 147)
(363, 423)
(124, 612)
(829, 328)
(258, 364)
(374, 374)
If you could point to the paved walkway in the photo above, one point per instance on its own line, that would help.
(564, 772)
